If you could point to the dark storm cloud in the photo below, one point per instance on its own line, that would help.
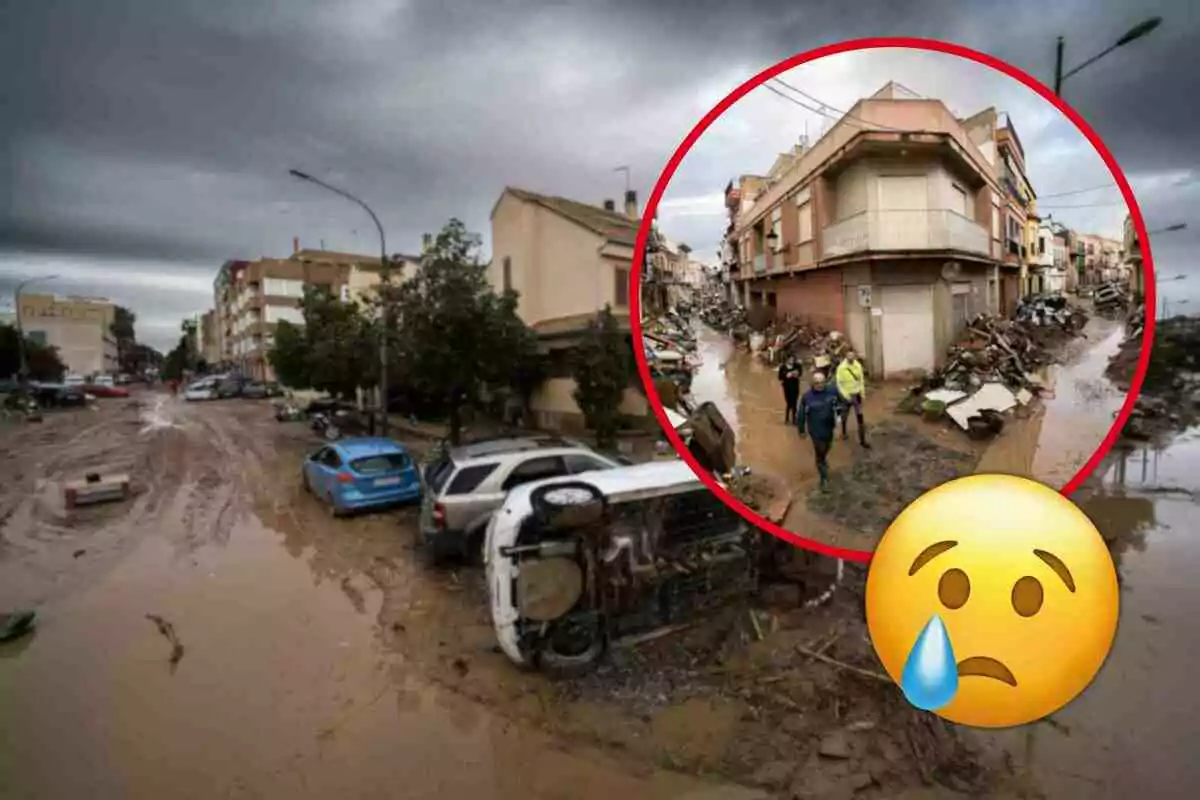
(165, 130)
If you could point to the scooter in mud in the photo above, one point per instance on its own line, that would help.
(333, 425)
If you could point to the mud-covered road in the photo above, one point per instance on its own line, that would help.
(315, 657)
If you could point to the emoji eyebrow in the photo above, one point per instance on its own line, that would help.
(929, 554)
(1055, 563)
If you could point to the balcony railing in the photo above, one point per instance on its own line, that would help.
(904, 230)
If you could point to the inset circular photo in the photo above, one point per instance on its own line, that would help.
(881, 266)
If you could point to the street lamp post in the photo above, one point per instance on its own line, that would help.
(385, 274)
(23, 366)
(1136, 32)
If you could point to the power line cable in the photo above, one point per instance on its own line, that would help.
(843, 115)
(1084, 205)
(1109, 185)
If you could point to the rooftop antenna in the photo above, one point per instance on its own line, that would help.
(626, 171)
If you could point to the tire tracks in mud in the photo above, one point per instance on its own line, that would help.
(188, 477)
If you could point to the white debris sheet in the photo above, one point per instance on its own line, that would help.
(946, 396)
(676, 419)
(993, 396)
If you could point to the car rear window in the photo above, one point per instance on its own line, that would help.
(468, 478)
(437, 473)
(385, 462)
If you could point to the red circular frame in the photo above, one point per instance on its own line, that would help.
(664, 179)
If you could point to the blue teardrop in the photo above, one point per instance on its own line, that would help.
(930, 678)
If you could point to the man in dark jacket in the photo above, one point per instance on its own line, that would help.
(817, 414)
(789, 379)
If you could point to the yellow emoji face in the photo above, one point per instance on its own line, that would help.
(992, 601)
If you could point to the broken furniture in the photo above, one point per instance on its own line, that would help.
(96, 488)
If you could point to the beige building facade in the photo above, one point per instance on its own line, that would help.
(80, 328)
(252, 297)
(888, 228)
(567, 260)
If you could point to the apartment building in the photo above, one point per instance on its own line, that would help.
(1133, 256)
(888, 228)
(1049, 266)
(1018, 215)
(252, 297)
(79, 327)
(567, 260)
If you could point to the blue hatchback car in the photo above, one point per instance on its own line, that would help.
(362, 473)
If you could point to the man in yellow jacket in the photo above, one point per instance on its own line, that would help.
(851, 386)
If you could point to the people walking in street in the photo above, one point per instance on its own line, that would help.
(789, 379)
(817, 415)
(852, 387)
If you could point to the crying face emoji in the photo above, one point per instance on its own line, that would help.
(992, 601)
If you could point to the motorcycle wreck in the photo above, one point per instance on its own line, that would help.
(576, 565)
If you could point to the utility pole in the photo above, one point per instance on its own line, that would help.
(1058, 58)
(385, 277)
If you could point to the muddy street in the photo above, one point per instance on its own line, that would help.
(1050, 440)
(285, 686)
(219, 634)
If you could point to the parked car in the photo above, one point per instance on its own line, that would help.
(466, 484)
(201, 390)
(229, 387)
(74, 380)
(257, 390)
(361, 473)
(103, 380)
(106, 390)
(576, 563)
(57, 395)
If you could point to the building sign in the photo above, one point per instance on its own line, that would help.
(72, 312)
(864, 296)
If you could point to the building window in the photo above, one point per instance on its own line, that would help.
(621, 288)
(282, 287)
(507, 274)
(960, 201)
(284, 314)
(806, 220)
(777, 228)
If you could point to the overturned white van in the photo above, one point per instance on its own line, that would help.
(575, 564)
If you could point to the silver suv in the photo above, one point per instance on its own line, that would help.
(465, 486)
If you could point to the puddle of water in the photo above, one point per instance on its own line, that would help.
(1081, 411)
(282, 691)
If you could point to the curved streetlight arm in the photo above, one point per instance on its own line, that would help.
(1136, 32)
(304, 176)
(22, 367)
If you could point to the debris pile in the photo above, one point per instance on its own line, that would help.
(1111, 298)
(992, 368)
(1170, 394)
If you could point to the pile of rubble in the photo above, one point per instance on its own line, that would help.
(670, 347)
(992, 369)
(1111, 298)
(1170, 394)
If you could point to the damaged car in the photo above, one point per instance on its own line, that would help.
(577, 564)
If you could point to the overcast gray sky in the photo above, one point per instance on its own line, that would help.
(149, 141)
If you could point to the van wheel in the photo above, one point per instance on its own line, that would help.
(572, 648)
(567, 505)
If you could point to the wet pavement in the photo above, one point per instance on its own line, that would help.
(1051, 441)
(1133, 732)
(286, 686)
(1079, 413)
